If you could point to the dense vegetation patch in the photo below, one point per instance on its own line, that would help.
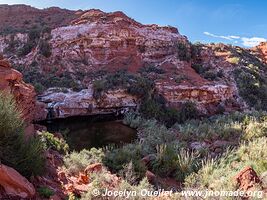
(212, 174)
(152, 105)
(15, 151)
(44, 80)
(51, 142)
(252, 86)
(170, 154)
(76, 162)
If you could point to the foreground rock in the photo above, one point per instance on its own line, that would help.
(14, 184)
(248, 180)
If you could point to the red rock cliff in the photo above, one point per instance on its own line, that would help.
(11, 81)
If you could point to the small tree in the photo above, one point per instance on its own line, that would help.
(45, 48)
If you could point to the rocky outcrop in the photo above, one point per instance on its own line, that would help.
(14, 184)
(62, 105)
(203, 95)
(111, 41)
(11, 81)
(262, 50)
(95, 41)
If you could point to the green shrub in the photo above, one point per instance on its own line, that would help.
(236, 125)
(234, 60)
(134, 84)
(76, 162)
(187, 111)
(24, 156)
(252, 86)
(150, 108)
(187, 163)
(133, 120)
(34, 34)
(45, 192)
(116, 159)
(202, 129)
(39, 88)
(210, 75)
(26, 48)
(35, 76)
(141, 87)
(149, 69)
(255, 129)
(50, 141)
(98, 86)
(143, 185)
(165, 163)
(45, 48)
(170, 161)
(128, 173)
(97, 182)
(29, 158)
(184, 51)
(198, 68)
(212, 174)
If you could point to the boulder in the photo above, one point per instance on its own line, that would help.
(247, 179)
(14, 184)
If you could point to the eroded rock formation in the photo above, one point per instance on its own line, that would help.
(11, 81)
(81, 103)
(94, 41)
(205, 96)
(112, 41)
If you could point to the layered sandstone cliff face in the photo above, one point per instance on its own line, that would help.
(207, 97)
(111, 41)
(93, 41)
(11, 81)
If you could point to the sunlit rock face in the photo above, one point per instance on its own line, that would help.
(92, 41)
(262, 51)
(112, 41)
(206, 97)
